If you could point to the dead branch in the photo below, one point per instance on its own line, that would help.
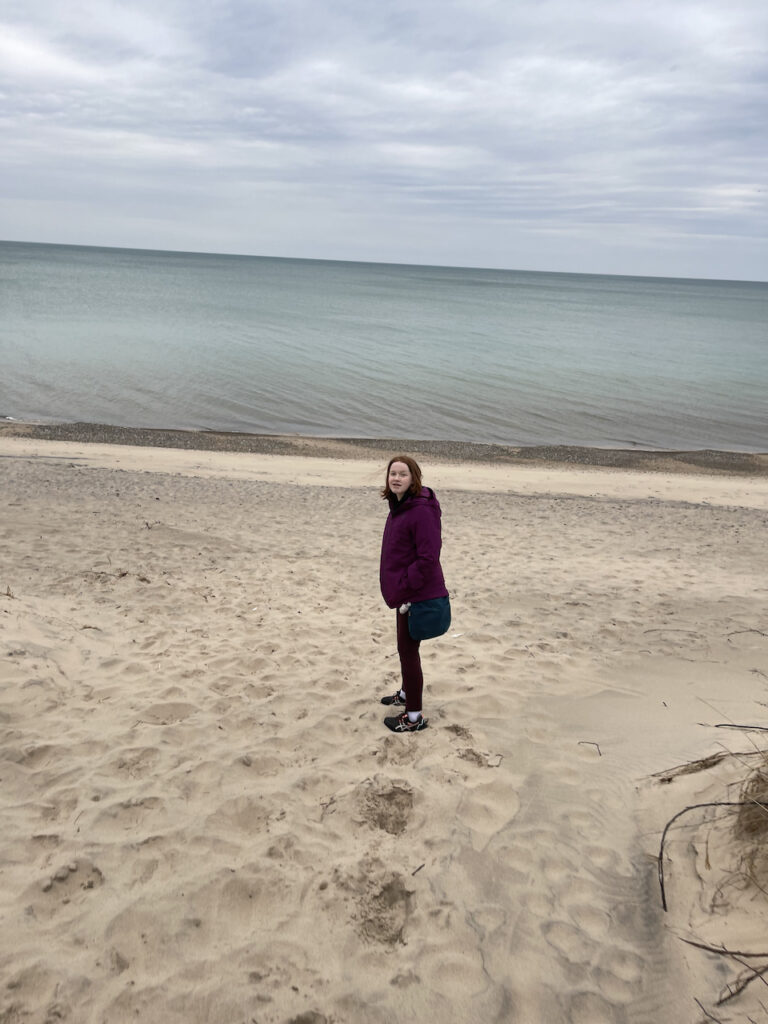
(690, 767)
(706, 1012)
(742, 983)
(721, 950)
(694, 807)
(748, 728)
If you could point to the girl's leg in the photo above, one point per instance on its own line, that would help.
(410, 664)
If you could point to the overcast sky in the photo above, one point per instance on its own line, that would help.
(611, 136)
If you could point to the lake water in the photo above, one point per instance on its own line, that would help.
(161, 339)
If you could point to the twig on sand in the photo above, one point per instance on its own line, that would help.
(706, 1012)
(693, 807)
(739, 632)
(748, 728)
(591, 743)
(740, 985)
(690, 767)
(721, 950)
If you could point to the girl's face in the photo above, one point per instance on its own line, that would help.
(400, 479)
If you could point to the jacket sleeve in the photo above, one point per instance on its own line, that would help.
(427, 542)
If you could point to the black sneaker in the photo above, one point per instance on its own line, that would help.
(395, 700)
(403, 724)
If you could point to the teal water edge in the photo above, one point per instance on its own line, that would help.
(320, 348)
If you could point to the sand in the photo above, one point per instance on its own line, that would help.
(204, 820)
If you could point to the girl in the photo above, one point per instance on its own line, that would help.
(410, 571)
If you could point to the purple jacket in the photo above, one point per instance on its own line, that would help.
(410, 550)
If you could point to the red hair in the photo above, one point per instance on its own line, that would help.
(415, 471)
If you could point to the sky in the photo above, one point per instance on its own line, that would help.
(595, 136)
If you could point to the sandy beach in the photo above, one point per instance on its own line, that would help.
(204, 820)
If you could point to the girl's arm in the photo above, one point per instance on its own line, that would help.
(427, 542)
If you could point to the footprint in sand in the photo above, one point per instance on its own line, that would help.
(69, 884)
(385, 804)
(559, 867)
(460, 731)
(243, 814)
(589, 919)
(480, 759)
(488, 807)
(589, 1008)
(127, 815)
(474, 757)
(136, 762)
(450, 972)
(570, 942)
(488, 919)
(384, 911)
(398, 754)
(619, 974)
(40, 757)
(382, 903)
(622, 964)
(167, 713)
(601, 859)
(582, 823)
(539, 728)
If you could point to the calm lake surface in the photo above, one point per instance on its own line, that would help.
(162, 339)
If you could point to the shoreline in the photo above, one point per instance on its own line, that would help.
(703, 461)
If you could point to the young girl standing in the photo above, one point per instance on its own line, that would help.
(410, 571)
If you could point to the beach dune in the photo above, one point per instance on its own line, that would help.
(204, 820)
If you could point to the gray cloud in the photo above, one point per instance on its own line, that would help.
(598, 136)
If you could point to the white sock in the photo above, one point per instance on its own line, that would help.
(414, 716)
(402, 695)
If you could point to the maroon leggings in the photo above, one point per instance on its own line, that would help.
(410, 664)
